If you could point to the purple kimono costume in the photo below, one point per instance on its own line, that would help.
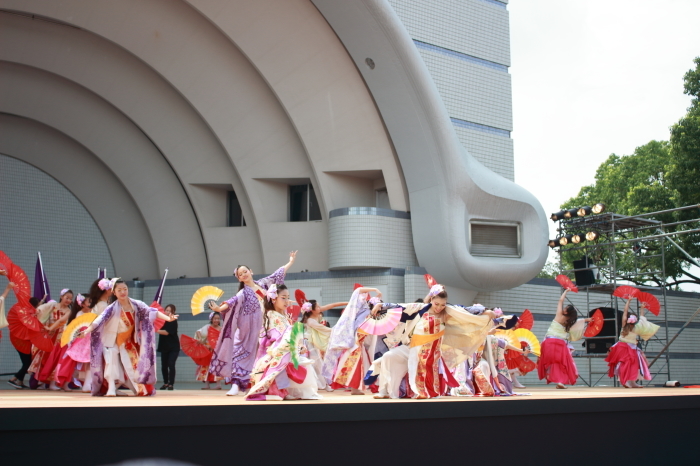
(144, 336)
(236, 349)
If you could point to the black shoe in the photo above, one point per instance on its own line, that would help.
(164, 387)
(17, 384)
(170, 387)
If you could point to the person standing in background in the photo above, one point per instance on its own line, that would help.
(169, 349)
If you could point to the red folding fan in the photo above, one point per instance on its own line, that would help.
(625, 292)
(356, 286)
(300, 297)
(429, 280)
(5, 260)
(650, 302)
(3, 267)
(566, 283)
(22, 289)
(595, 325)
(158, 323)
(41, 340)
(23, 315)
(23, 346)
(293, 312)
(526, 320)
(193, 348)
(213, 336)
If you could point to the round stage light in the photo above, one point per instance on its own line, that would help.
(553, 243)
(557, 215)
(599, 208)
(585, 210)
(570, 213)
(564, 240)
(578, 238)
(592, 235)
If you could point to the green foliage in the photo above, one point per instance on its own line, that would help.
(658, 176)
(550, 270)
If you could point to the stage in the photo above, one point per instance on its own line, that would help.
(579, 425)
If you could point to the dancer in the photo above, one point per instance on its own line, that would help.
(316, 335)
(280, 372)
(54, 316)
(555, 363)
(100, 292)
(428, 335)
(26, 358)
(349, 352)
(235, 351)
(169, 349)
(626, 359)
(65, 369)
(123, 348)
(491, 362)
(202, 335)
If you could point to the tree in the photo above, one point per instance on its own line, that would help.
(550, 270)
(658, 176)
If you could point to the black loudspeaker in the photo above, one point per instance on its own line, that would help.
(584, 277)
(603, 345)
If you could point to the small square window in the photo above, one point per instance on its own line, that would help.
(303, 205)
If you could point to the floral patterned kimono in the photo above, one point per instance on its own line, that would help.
(349, 353)
(44, 362)
(317, 336)
(234, 355)
(123, 348)
(202, 373)
(280, 371)
(490, 374)
(426, 347)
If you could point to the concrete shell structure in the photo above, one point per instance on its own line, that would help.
(151, 113)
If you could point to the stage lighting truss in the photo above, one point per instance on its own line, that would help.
(568, 214)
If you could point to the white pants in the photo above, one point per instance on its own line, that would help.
(115, 373)
(394, 367)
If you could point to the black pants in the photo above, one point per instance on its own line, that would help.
(167, 363)
(26, 362)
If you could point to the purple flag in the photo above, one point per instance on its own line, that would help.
(41, 285)
(159, 293)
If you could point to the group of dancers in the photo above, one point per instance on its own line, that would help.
(424, 349)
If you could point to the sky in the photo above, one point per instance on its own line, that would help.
(592, 78)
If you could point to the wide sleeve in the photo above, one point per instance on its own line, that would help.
(276, 278)
(43, 312)
(576, 330)
(201, 334)
(233, 302)
(3, 319)
(645, 329)
(99, 320)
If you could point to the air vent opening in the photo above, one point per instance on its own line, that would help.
(494, 239)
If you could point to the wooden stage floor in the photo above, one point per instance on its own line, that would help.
(50, 399)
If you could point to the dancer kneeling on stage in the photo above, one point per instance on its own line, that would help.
(556, 363)
(626, 360)
(123, 345)
(431, 340)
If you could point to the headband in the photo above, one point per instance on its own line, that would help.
(64, 291)
(112, 282)
(80, 299)
(632, 319)
(436, 290)
(211, 316)
(306, 307)
(272, 292)
(104, 284)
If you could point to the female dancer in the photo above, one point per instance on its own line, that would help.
(349, 352)
(123, 344)
(626, 359)
(235, 351)
(275, 376)
(66, 365)
(429, 333)
(54, 317)
(316, 335)
(169, 349)
(100, 292)
(202, 335)
(492, 377)
(555, 363)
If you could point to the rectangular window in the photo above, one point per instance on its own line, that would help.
(303, 205)
(499, 239)
(235, 214)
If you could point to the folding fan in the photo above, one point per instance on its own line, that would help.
(650, 302)
(293, 312)
(3, 266)
(79, 349)
(22, 320)
(300, 297)
(566, 283)
(5, 260)
(158, 323)
(22, 288)
(429, 280)
(526, 320)
(596, 325)
(508, 336)
(41, 340)
(79, 324)
(193, 348)
(356, 286)
(516, 360)
(525, 336)
(203, 296)
(23, 346)
(625, 292)
(213, 336)
(382, 323)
